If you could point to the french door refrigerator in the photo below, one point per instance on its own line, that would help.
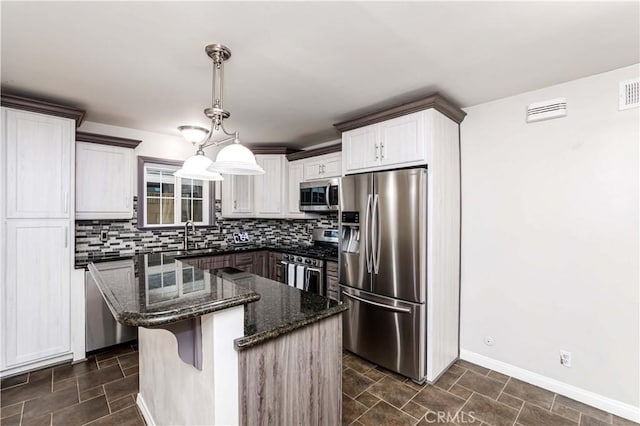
(383, 262)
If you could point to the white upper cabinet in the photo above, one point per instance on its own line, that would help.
(270, 187)
(237, 196)
(39, 161)
(360, 149)
(398, 142)
(323, 166)
(296, 175)
(103, 181)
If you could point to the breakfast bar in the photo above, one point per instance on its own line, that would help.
(223, 346)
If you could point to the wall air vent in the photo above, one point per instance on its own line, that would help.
(545, 110)
(629, 94)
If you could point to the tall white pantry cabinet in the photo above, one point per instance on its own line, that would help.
(36, 257)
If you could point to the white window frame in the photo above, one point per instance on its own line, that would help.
(207, 213)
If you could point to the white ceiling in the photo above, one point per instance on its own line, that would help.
(299, 67)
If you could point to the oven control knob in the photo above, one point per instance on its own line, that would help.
(299, 259)
(309, 261)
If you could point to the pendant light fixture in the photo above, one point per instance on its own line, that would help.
(233, 159)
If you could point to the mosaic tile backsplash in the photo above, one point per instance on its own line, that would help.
(124, 238)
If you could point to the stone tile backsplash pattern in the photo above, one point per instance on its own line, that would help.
(126, 239)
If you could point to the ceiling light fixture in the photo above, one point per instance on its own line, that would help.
(233, 159)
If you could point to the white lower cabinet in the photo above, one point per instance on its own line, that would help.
(36, 292)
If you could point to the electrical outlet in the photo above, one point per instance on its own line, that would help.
(565, 358)
(104, 235)
(488, 340)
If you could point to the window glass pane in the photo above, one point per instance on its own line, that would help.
(187, 275)
(153, 211)
(197, 189)
(186, 188)
(153, 182)
(197, 211)
(168, 182)
(155, 281)
(186, 209)
(167, 211)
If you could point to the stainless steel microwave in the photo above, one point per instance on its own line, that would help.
(319, 195)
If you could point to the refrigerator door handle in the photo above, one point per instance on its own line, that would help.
(367, 235)
(380, 305)
(376, 225)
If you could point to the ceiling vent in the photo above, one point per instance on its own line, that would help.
(546, 110)
(629, 94)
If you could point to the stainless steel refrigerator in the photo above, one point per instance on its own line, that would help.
(383, 262)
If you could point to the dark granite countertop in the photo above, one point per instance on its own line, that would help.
(158, 288)
(301, 250)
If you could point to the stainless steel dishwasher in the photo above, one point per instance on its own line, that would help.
(102, 330)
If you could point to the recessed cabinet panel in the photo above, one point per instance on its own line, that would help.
(36, 293)
(402, 140)
(103, 181)
(241, 194)
(360, 148)
(39, 163)
(270, 187)
(295, 177)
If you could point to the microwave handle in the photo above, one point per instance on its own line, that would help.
(326, 196)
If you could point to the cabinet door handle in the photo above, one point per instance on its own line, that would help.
(66, 201)
(376, 148)
(235, 204)
(382, 150)
(319, 169)
(66, 236)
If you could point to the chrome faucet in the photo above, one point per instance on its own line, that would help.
(186, 233)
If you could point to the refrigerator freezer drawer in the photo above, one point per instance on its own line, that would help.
(385, 331)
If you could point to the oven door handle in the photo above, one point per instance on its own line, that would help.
(307, 278)
(380, 305)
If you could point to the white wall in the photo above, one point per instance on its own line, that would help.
(550, 236)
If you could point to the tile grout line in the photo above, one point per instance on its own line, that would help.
(503, 388)
(22, 411)
(519, 411)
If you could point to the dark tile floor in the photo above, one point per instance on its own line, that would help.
(466, 394)
(101, 391)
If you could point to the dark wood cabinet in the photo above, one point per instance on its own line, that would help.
(275, 267)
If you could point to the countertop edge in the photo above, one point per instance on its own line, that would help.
(165, 319)
(243, 343)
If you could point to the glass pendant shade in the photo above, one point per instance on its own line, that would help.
(193, 134)
(236, 159)
(195, 167)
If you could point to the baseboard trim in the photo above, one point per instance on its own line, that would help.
(148, 418)
(587, 397)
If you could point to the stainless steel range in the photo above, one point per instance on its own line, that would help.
(305, 268)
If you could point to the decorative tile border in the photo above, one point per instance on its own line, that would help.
(125, 238)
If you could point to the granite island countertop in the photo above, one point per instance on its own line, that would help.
(156, 289)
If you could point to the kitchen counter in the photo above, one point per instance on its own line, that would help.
(301, 250)
(158, 289)
(223, 346)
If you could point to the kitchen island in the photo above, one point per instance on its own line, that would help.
(223, 346)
